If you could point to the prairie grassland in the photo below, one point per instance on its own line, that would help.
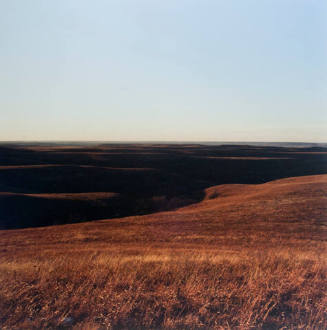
(165, 288)
(246, 257)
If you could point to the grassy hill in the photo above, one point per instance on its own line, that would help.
(43, 185)
(244, 256)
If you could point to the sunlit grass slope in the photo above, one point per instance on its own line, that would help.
(247, 256)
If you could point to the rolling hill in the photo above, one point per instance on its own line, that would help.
(244, 256)
(43, 185)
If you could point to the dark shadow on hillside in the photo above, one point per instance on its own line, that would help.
(148, 178)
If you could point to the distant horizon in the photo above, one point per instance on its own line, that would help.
(159, 142)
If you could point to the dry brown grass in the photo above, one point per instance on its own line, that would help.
(71, 196)
(246, 257)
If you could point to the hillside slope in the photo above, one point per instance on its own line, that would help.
(42, 185)
(246, 256)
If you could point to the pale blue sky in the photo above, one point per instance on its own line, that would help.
(197, 70)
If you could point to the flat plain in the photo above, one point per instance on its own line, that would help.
(186, 236)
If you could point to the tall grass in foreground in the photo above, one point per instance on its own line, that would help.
(164, 288)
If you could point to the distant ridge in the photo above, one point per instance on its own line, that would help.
(158, 142)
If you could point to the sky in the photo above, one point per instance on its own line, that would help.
(173, 70)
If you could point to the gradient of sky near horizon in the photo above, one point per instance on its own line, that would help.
(181, 70)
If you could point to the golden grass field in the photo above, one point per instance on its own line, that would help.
(247, 256)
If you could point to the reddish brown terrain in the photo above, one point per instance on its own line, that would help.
(50, 184)
(245, 256)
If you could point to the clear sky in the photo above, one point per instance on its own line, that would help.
(197, 70)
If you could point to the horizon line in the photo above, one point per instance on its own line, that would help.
(159, 141)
